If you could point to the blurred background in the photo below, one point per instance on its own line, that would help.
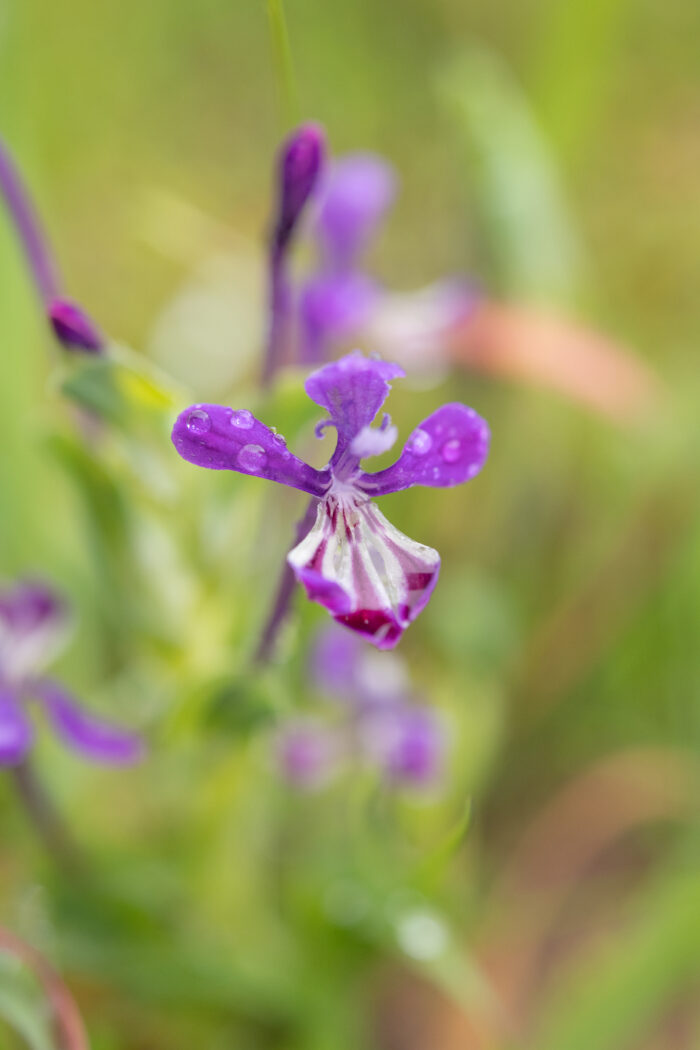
(545, 893)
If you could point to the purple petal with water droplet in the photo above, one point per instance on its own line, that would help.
(90, 736)
(448, 448)
(219, 438)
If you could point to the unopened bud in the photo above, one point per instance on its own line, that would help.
(300, 163)
(73, 328)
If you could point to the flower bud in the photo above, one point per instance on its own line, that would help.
(300, 163)
(73, 328)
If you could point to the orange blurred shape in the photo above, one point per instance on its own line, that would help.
(522, 343)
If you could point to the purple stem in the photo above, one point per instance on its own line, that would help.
(45, 818)
(285, 590)
(29, 231)
(280, 304)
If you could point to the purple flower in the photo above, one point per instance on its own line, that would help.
(33, 627)
(367, 574)
(354, 199)
(71, 325)
(406, 741)
(381, 724)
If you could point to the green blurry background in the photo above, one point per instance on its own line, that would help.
(550, 150)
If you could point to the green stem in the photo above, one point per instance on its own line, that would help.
(282, 56)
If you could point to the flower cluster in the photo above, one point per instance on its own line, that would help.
(380, 722)
(339, 300)
(368, 575)
(34, 624)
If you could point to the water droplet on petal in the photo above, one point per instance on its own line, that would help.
(251, 458)
(243, 419)
(420, 442)
(198, 421)
(278, 441)
(451, 451)
(436, 473)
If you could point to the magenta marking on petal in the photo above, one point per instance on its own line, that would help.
(218, 438)
(369, 576)
(326, 592)
(448, 448)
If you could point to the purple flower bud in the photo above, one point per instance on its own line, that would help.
(73, 328)
(300, 163)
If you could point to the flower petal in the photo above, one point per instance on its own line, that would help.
(218, 438)
(359, 189)
(406, 741)
(352, 390)
(369, 576)
(16, 732)
(93, 738)
(332, 307)
(34, 622)
(448, 448)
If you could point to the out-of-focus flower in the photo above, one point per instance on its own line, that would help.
(71, 325)
(381, 723)
(308, 753)
(33, 628)
(368, 575)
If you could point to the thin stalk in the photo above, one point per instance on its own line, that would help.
(282, 57)
(46, 820)
(283, 597)
(29, 231)
(280, 304)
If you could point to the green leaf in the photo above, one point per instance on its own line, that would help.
(528, 234)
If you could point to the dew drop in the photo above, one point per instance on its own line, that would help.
(251, 458)
(451, 451)
(420, 442)
(198, 421)
(243, 419)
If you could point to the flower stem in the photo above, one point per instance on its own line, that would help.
(28, 227)
(283, 597)
(68, 1026)
(282, 54)
(45, 818)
